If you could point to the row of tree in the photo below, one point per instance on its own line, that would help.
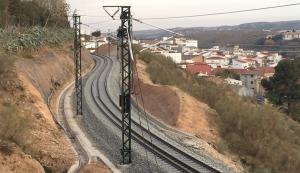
(24, 13)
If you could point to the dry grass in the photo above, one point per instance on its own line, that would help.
(13, 125)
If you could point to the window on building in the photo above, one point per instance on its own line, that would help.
(252, 75)
(251, 82)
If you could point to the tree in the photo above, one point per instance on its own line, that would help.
(260, 41)
(96, 33)
(14, 9)
(284, 86)
(228, 74)
(3, 12)
(52, 13)
(277, 38)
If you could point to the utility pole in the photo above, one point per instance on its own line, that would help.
(124, 35)
(108, 39)
(77, 63)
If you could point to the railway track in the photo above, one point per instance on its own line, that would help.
(166, 151)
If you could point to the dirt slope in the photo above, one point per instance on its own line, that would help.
(95, 167)
(18, 162)
(27, 87)
(177, 108)
(182, 111)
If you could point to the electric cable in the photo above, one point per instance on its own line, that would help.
(157, 27)
(220, 13)
(142, 99)
(100, 22)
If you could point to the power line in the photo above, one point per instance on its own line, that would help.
(220, 13)
(249, 45)
(138, 20)
(157, 27)
(83, 15)
(93, 16)
(100, 22)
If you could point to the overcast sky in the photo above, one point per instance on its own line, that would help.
(163, 8)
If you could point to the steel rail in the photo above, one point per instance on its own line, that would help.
(175, 162)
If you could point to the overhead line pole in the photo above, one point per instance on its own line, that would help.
(124, 34)
(77, 63)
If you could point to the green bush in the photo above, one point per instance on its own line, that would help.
(13, 40)
(265, 140)
(228, 74)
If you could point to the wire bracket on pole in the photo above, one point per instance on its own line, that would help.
(77, 63)
(111, 15)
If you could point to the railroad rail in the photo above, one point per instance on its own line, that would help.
(166, 151)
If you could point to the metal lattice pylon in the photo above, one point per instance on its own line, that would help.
(124, 33)
(77, 63)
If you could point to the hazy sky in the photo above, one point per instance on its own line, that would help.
(162, 8)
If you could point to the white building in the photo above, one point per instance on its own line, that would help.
(291, 35)
(274, 58)
(191, 43)
(259, 61)
(240, 64)
(167, 40)
(251, 80)
(90, 44)
(186, 42)
(176, 57)
(216, 62)
(231, 81)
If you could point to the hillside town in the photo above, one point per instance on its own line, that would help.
(251, 66)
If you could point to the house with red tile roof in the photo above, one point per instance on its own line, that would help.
(200, 69)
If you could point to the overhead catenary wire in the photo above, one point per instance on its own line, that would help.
(100, 22)
(250, 45)
(153, 45)
(157, 27)
(220, 13)
(147, 121)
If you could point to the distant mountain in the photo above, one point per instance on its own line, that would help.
(246, 35)
(262, 27)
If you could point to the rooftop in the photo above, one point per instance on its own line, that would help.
(215, 58)
(199, 68)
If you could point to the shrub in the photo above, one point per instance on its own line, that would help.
(228, 74)
(13, 40)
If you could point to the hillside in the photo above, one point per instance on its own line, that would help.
(26, 84)
(181, 111)
(248, 33)
(251, 131)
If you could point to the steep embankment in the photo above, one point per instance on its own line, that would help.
(180, 110)
(27, 86)
(250, 131)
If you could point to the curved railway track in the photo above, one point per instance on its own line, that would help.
(182, 161)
